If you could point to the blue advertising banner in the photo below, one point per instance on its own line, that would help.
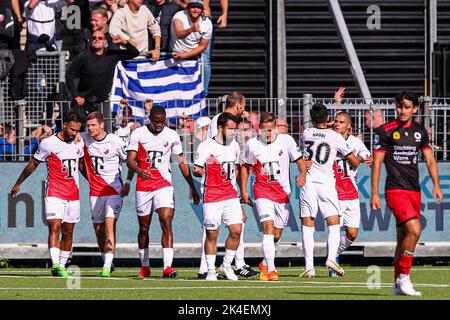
(22, 219)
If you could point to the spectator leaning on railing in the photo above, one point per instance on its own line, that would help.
(41, 16)
(95, 70)
(132, 23)
(163, 11)
(190, 32)
(8, 141)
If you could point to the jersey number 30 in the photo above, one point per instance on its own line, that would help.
(321, 156)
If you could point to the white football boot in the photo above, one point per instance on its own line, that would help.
(404, 287)
(310, 273)
(211, 276)
(229, 273)
(332, 265)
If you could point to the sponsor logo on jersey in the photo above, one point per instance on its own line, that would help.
(396, 135)
(417, 136)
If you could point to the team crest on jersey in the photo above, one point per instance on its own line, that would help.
(396, 135)
(281, 153)
(106, 151)
(418, 136)
(166, 143)
(78, 152)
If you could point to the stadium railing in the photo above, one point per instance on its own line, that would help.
(43, 105)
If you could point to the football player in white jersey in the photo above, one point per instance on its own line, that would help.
(321, 145)
(149, 155)
(104, 154)
(64, 159)
(217, 162)
(235, 104)
(346, 183)
(269, 156)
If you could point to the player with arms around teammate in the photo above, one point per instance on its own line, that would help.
(269, 156)
(346, 183)
(104, 153)
(217, 162)
(397, 144)
(62, 206)
(322, 145)
(235, 104)
(149, 154)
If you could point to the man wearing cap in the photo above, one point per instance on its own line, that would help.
(190, 31)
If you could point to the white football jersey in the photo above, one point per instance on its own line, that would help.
(124, 133)
(212, 129)
(219, 161)
(346, 175)
(322, 146)
(270, 164)
(154, 153)
(103, 161)
(62, 166)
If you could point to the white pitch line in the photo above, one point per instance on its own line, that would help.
(382, 269)
(191, 288)
(167, 281)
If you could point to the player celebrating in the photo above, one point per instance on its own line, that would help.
(321, 145)
(397, 144)
(346, 185)
(149, 154)
(269, 156)
(235, 104)
(104, 155)
(62, 206)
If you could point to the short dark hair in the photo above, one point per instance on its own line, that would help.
(266, 117)
(318, 113)
(234, 98)
(407, 96)
(224, 118)
(346, 114)
(95, 115)
(157, 111)
(72, 116)
(8, 129)
(127, 110)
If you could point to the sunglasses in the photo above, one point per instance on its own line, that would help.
(98, 38)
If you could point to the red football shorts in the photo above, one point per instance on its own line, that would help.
(404, 204)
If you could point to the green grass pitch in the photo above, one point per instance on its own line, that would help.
(31, 284)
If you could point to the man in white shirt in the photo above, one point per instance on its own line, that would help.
(134, 21)
(190, 31)
(41, 24)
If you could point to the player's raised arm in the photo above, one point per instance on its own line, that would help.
(434, 174)
(375, 201)
(29, 169)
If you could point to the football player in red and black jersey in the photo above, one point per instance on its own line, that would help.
(397, 144)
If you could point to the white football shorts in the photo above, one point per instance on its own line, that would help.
(227, 212)
(66, 210)
(106, 207)
(350, 213)
(270, 210)
(316, 197)
(149, 201)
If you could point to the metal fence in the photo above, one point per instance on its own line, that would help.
(34, 116)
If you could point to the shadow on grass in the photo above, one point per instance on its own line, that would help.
(338, 294)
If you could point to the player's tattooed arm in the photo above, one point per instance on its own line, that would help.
(375, 201)
(355, 161)
(186, 172)
(29, 169)
(242, 180)
(434, 174)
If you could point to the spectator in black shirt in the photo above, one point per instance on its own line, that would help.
(95, 69)
(163, 11)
